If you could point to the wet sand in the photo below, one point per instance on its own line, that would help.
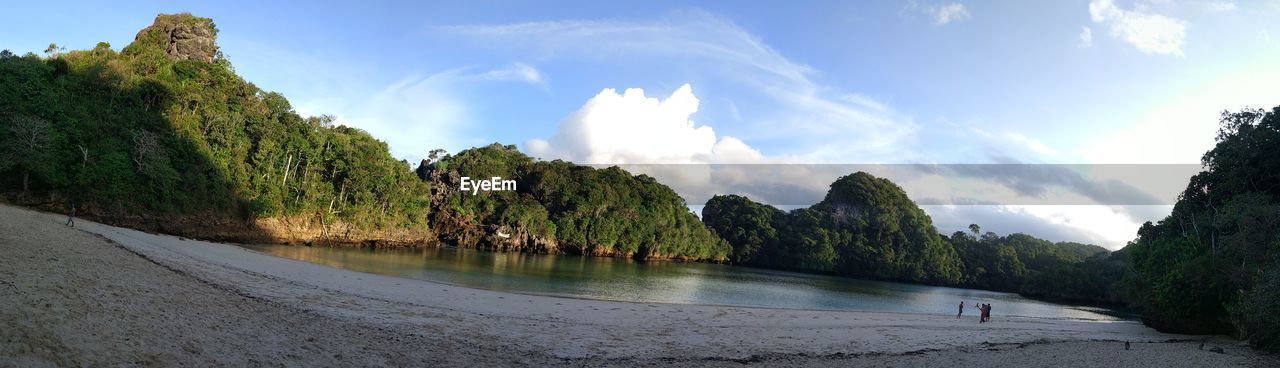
(100, 295)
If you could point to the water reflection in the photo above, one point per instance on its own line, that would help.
(671, 282)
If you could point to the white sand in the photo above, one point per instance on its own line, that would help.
(376, 320)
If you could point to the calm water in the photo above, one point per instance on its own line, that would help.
(671, 282)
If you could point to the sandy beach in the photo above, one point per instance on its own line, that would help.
(98, 295)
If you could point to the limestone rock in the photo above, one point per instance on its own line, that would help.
(183, 36)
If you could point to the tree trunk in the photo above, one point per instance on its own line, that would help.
(26, 178)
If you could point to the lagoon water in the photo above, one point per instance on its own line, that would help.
(673, 282)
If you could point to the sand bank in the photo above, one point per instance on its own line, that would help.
(102, 295)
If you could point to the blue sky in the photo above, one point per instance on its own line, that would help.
(1083, 81)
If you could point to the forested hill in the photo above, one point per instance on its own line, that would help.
(868, 227)
(562, 207)
(163, 135)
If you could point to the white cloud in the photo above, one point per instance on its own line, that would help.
(656, 136)
(1150, 33)
(941, 14)
(1035, 145)
(836, 124)
(951, 12)
(1099, 225)
(418, 113)
(518, 72)
(1018, 142)
(1086, 37)
(631, 128)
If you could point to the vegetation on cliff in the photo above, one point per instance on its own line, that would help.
(562, 207)
(868, 227)
(1213, 265)
(165, 128)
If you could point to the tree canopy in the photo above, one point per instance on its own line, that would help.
(1213, 265)
(868, 227)
(140, 132)
(560, 206)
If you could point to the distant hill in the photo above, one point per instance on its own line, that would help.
(868, 227)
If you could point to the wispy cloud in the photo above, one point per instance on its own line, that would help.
(857, 127)
(942, 14)
(414, 114)
(951, 12)
(519, 72)
(1151, 33)
(1017, 141)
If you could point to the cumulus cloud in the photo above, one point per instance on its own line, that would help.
(652, 136)
(631, 128)
(1086, 37)
(1150, 33)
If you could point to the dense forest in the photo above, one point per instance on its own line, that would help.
(161, 131)
(164, 135)
(868, 227)
(562, 207)
(1213, 265)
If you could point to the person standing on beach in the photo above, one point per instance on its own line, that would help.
(988, 313)
(71, 216)
(961, 310)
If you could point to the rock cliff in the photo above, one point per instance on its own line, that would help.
(182, 36)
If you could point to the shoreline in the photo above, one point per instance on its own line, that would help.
(797, 273)
(293, 232)
(375, 319)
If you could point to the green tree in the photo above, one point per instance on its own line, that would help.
(27, 147)
(1204, 268)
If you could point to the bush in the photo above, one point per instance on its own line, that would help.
(1259, 315)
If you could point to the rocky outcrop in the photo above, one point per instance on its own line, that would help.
(183, 36)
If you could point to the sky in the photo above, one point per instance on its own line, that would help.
(1047, 93)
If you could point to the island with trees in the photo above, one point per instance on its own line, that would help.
(163, 135)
